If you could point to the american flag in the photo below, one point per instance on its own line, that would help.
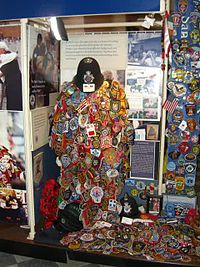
(170, 103)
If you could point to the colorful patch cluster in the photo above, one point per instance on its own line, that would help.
(183, 85)
(156, 239)
(91, 135)
(9, 170)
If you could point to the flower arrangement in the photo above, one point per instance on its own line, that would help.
(48, 202)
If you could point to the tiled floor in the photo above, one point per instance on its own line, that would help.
(21, 261)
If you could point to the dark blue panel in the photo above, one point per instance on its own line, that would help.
(50, 170)
(15, 9)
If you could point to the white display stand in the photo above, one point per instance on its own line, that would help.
(27, 132)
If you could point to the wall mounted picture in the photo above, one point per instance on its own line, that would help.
(140, 134)
(144, 49)
(43, 67)
(12, 150)
(152, 131)
(143, 91)
(10, 69)
(13, 205)
(38, 168)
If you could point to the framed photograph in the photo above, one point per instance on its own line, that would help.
(140, 134)
(178, 206)
(152, 131)
(38, 167)
(154, 204)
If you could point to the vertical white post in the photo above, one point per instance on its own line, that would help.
(162, 6)
(27, 129)
(163, 120)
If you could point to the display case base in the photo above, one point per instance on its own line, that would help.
(13, 239)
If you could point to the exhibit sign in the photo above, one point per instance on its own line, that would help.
(107, 48)
(143, 158)
(40, 126)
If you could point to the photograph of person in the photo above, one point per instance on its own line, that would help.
(154, 204)
(13, 206)
(10, 79)
(38, 58)
(12, 138)
(144, 49)
(44, 67)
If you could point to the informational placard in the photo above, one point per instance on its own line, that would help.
(143, 160)
(110, 50)
(40, 126)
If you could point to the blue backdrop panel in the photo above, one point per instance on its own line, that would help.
(50, 170)
(13, 9)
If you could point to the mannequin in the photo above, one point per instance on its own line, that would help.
(90, 133)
